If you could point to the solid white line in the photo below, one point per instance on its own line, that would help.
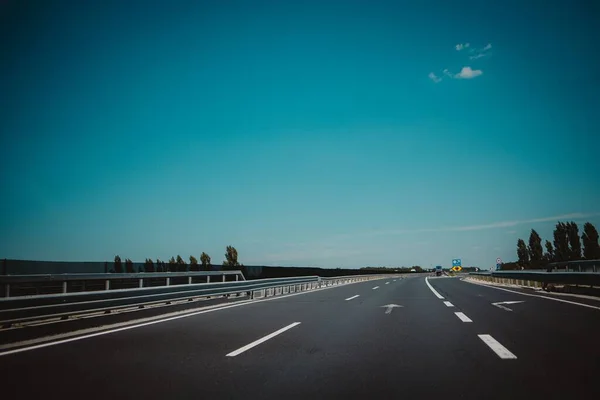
(376, 287)
(448, 304)
(533, 295)
(261, 340)
(463, 317)
(105, 330)
(353, 297)
(500, 350)
(439, 296)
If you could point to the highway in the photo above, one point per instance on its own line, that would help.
(395, 338)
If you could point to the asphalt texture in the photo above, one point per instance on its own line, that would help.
(341, 349)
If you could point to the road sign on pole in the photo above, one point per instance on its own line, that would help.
(456, 262)
(498, 263)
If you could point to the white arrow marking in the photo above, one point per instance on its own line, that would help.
(499, 304)
(390, 307)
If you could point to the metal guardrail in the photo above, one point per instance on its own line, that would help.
(520, 277)
(11, 285)
(23, 309)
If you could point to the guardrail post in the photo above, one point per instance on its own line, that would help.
(189, 280)
(65, 287)
(168, 281)
(141, 282)
(207, 278)
(223, 277)
(107, 284)
(7, 290)
(237, 277)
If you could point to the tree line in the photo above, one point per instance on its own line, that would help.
(178, 264)
(567, 245)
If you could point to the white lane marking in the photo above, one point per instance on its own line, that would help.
(499, 304)
(261, 340)
(500, 350)
(353, 297)
(463, 317)
(105, 330)
(533, 295)
(390, 307)
(439, 296)
(376, 287)
(387, 283)
(394, 280)
(448, 304)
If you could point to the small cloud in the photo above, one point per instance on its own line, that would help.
(434, 77)
(462, 46)
(468, 73)
(480, 55)
(448, 73)
(487, 47)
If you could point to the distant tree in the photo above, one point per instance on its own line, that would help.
(536, 252)
(118, 265)
(549, 256)
(149, 265)
(129, 266)
(522, 253)
(181, 264)
(574, 241)
(172, 265)
(194, 264)
(140, 269)
(561, 242)
(205, 260)
(231, 258)
(159, 265)
(591, 247)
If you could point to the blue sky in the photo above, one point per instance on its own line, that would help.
(329, 133)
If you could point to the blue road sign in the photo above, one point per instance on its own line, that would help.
(498, 267)
(456, 262)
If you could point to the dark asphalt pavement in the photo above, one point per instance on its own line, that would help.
(341, 349)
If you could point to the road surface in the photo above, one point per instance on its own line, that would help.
(386, 339)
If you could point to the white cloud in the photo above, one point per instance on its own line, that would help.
(434, 77)
(487, 47)
(468, 73)
(493, 225)
(475, 57)
(448, 73)
(461, 46)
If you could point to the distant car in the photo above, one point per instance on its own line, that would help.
(438, 270)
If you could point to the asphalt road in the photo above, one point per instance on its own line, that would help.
(319, 345)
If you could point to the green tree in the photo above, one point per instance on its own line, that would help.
(159, 267)
(118, 265)
(149, 265)
(574, 241)
(129, 266)
(193, 264)
(181, 265)
(205, 260)
(172, 265)
(536, 252)
(522, 253)
(549, 256)
(561, 242)
(231, 258)
(591, 248)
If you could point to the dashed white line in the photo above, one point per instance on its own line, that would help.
(439, 296)
(448, 304)
(500, 350)
(376, 287)
(353, 297)
(387, 283)
(463, 317)
(261, 340)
